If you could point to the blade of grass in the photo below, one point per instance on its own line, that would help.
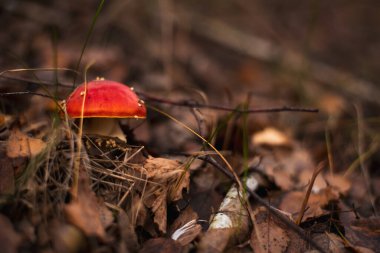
(363, 165)
(77, 161)
(329, 149)
(88, 35)
(316, 172)
(54, 44)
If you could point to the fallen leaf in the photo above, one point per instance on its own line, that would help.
(336, 243)
(162, 169)
(138, 211)
(284, 167)
(159, 208)
(270, 137)
(7, 176)
(296, 243)
(10, 240)
(165, 181)
(305, 179)
(66, 237)
(338, 182)
(215, 240)
(87, 212)
(161, 245)
(21, 145)
(268, 234)
(128, 235)
(360, 249)
(364, 232)
(292, 202)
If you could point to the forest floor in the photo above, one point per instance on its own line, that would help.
(262, 128)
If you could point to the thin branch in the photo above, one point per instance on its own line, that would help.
(88, 35)
(285, 220)
(194, 104)
(188, 103)
(25, 93)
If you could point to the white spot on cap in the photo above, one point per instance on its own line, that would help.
(132, 88)
(82, 93)
(141, 101)
(136, 117)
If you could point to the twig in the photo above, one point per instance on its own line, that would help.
(188, 103)
(25, 93)
(27, 80)
(285, 220)
(88, 35)
(224, 108)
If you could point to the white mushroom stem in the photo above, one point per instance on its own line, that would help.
(103, 126)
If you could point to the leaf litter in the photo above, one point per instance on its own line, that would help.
(148, 194)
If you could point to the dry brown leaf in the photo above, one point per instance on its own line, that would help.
(285, 166)
(2, 119)
(296, 243)
(215, 240)
(21, 145)
(66, 238)
(138, 211)
(336, 243)
(364, 232)
(360, 249)
(87, 212)
(181, 182)
(268, 234)
(292, 202)
(166, 180)
(161, 168)
(10, 240)
(128, 235)
(270, 137)
(84, 214)
(161, 245)
(159, 209)
(305, 179)
(282, 178)
(7, 179)
(338, 182)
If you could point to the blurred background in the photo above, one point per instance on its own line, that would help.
(320, 54)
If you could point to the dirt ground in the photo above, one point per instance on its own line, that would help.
(261, 134)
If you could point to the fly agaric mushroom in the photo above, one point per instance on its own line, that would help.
(105, 102)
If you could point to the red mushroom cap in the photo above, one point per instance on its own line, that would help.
(105, 99)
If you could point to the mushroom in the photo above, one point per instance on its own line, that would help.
(105, 102)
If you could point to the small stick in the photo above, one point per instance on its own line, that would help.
(192, 104)
(285, 220)
(224, 108)
(25, 93)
